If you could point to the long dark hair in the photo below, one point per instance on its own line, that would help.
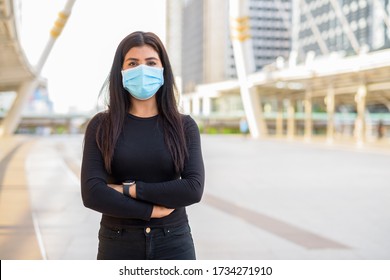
(120, 102)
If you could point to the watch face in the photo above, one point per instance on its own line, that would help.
(129, 183)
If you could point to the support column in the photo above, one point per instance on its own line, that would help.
(12, 119)
(55, 32)
(186, 105)
(360, 122)
(330, 109)
(308, 116)
(244, 60)
(291, 119)
(279, 118)
(206, 106)
(196, 106)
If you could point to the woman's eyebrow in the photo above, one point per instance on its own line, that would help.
(131, 58)
(136, 59)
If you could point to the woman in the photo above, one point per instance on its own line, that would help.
(142, 160)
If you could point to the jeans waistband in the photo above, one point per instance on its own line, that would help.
(149, 229)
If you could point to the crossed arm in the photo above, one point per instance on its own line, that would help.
(157, 212)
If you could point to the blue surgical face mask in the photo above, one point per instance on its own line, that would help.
(143, 81)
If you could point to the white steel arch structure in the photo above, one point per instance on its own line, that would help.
(14, 66)
(16, 73)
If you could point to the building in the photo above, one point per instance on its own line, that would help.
(346, 27)
(205, 42)
(38, 103)
(270, 23)
(206, 52)
(173, 42)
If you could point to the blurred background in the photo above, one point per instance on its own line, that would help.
(315, 67)
(291, 96)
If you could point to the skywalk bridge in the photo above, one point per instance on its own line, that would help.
(357, 81)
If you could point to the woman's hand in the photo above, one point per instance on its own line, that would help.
(161, 211)
(118, 188)
(158, 211)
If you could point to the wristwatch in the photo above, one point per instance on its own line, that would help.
(126, 187)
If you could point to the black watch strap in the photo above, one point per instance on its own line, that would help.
(126, 190)
(126, 187)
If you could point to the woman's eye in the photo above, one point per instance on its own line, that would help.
(151, 63)
(132, 64)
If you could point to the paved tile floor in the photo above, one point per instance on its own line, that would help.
(264, 199)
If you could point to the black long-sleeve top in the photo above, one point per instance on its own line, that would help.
(141, 155)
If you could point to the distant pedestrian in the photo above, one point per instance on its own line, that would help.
(142, 160)
(381, 129)
(244, 128)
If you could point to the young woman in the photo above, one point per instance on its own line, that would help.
(142, 161)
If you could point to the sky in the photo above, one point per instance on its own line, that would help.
(82, 55)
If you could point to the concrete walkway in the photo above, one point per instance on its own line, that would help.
(18, 239)
(264, 199)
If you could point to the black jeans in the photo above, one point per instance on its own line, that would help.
(170, 243)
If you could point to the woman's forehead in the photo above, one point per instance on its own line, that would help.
(142, 52)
